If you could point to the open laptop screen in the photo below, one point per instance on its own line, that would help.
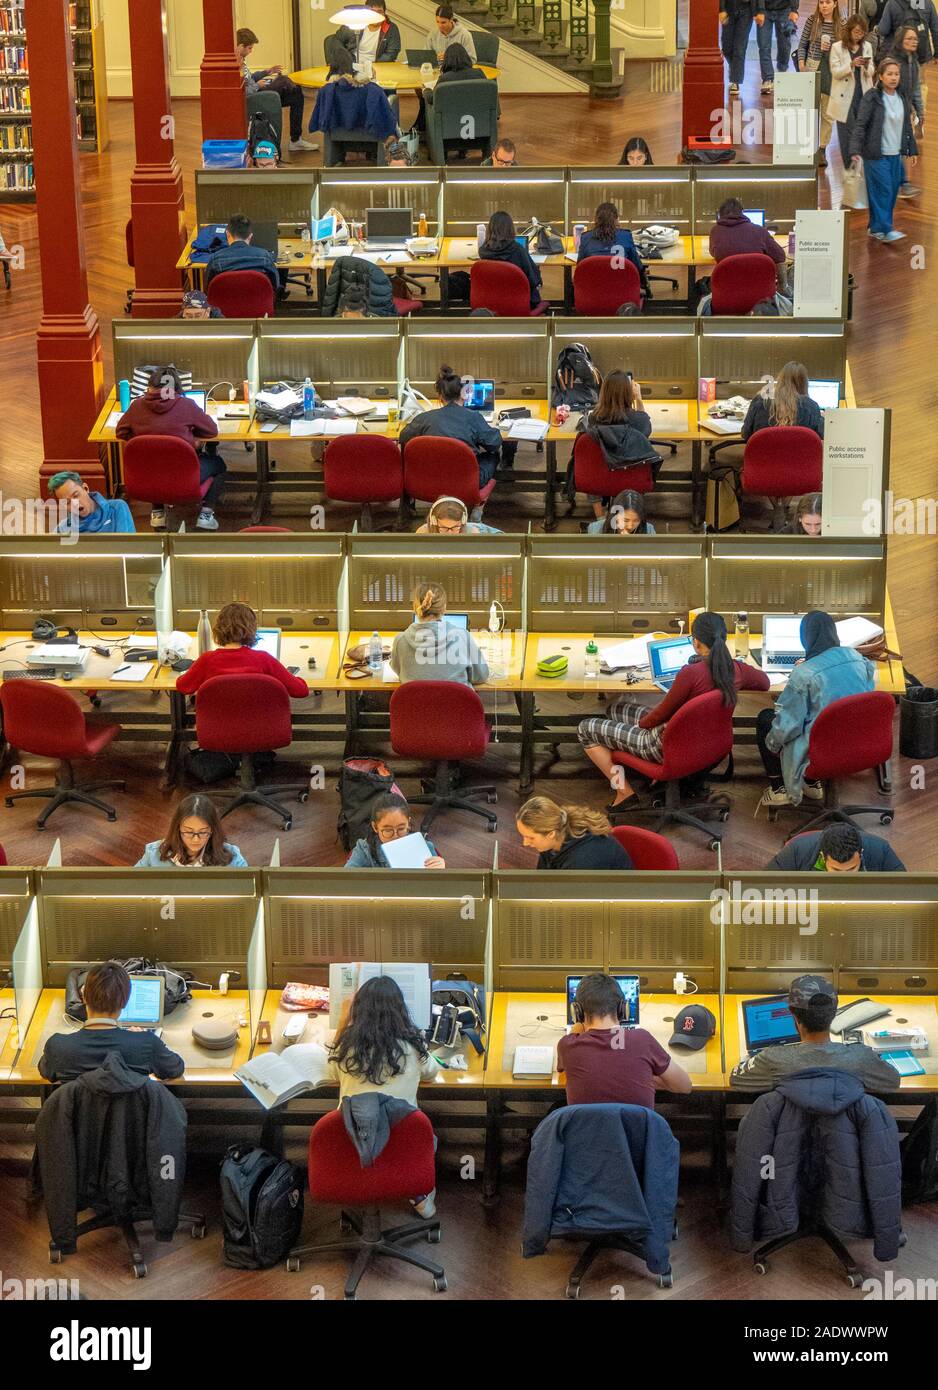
(144, 1008)
(628, 984)
(825, 394)
(782, 633)
(755, 215)
(268, 640)
(767, 1022)
(668, 657)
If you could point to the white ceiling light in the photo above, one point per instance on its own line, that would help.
(355, 16)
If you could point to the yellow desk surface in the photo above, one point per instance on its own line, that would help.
(97, 670)
(296, 648)
(497, 1075)
(8, 1038)
(239, 427)
(292, 254)
(898, 1003)
(177, 1035)
(503, 651)
(692, 431)
(702, 254)
(396, 77)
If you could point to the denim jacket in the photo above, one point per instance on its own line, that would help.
(811, 686)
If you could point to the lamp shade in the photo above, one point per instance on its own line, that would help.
(356, 17)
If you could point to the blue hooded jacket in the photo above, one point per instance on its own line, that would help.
(345, 105)
(111, 517)
(595, 1169)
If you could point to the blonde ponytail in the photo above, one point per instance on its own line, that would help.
(546, 817)
(429, 601)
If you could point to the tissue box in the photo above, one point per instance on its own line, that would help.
(707, 389)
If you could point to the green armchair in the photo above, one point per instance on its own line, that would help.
(462, 115)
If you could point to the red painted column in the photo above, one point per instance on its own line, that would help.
(703, 71)
(223, 109)
(70, 363)
(156, 195)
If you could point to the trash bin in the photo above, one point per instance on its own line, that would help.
(224, 154)
(918, 722)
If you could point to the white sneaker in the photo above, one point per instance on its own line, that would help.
(158, 519)
(207, 520)
(301, 145)
(426, 1208)
(767, 87)
(894, 235)
(813, 791)
(877, 236)
(771, 797)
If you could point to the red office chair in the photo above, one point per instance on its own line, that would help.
(443, 722)
(780, 461)
(242, 715)
(163, 471)
(696, 738)
(738, 283)
(434, 467)
(242, 294)
(405, 1168)
(366, 469)
(591, 474)
(3, 855)
(45, 720)
(850, 735)
(600, 287)
(645, 848)
(404, 307)
(503, 288)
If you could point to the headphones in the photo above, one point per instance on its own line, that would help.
(580, 1017)
(431, 515)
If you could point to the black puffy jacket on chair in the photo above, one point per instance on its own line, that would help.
(353, 269)
(834, 1154)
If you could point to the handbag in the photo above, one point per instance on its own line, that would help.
(546, 243)
(356, 658)
(854, 189)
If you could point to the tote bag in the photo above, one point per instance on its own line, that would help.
(854, 186)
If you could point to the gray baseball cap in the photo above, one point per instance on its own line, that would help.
(803, 991)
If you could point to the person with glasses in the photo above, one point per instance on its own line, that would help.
(450, 517)
(504, 156)
(194, 840)
(390, 820)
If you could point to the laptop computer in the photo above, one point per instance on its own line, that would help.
(825, 394)
(458, 620)
(781, 642)
(144, 1008)
(197, 396)
(482, 398)
(388, 227)
(755, 215)
(666, 658)
(267, 235)
(628, 984)
(268, 640)
(768, 1022)
(416, 57)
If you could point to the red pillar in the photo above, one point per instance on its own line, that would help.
(156, 195)
(223, 110)
(70, 363)
(703, 71)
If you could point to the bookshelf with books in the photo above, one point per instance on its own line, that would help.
(16, 130)
(90, 69)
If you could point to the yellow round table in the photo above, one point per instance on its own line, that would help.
(396, 77)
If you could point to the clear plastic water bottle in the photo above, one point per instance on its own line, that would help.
(742, 636)
(309, 398)
(591, 665)
(375, 659)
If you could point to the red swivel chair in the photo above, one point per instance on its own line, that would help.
(404, 307)
(366, 469)
(163, 471)
(645, 848)
(601, 287)
(780, 461)
(850, 735)
(738, 283)
(442, 722)
(434, 467)
(405, 1168)
(696, 738)
(591, 474)
(242, 294)
(45, 720)
(242, 715)
(503, 288)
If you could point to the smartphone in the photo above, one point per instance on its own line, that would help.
(269, 427)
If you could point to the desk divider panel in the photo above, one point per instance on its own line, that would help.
(318, 916)
(98, 582)
(643, 196)
(662, 353)
(792, 574)
(583, 583)
(353, 191)
(16, 895)
(621, 923)
(514, 353)
(342, 357)
(199, 922)
(284, 196)
(472, 195)
(218, 352)
(733, 349)
(779, 189)
(474, 571)
(291, 581)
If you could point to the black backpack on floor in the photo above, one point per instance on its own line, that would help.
(262, 128)
(262, 1207)
(360, 782)
(920, 1157)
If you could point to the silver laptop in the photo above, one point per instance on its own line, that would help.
(268, 640)
(781, 642)
(388, 228)
(144, 1008)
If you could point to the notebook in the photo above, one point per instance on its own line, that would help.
(533, 1061)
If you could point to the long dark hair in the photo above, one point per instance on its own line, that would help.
(626, 501)
(710, 629)
(456, 59)
(636, 143)
(204, 809)
(606, 221)
(372, 1045)
(501, 229)
(616, 399)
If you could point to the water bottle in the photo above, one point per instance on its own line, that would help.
(480, 234)
(123, 394)
(375, 659)
(591, 666)
(742, 636)
(422, 225)
(204, 633)
(309, 398)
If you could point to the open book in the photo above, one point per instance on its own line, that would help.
(412, 979)
(275, 1077)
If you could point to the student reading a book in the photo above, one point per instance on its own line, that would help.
(194, 840)
(606, 1064)
(390, 820)
(625, 516)
(105, 993)
(569, 837)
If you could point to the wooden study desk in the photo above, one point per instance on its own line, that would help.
(236, 426)
(9, 1042)
(394, 77)
(701, 252)
(293, 254)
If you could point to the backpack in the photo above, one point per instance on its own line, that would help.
(466, 1000)
(920, 1157)
(361, 780)
(262, 128)
(576, 380)
(176, 987)
(262, 1207)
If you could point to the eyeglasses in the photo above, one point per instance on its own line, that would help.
(195, 834)
(449, 528)
(391, 832)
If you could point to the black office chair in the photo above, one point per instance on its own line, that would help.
(6, 274)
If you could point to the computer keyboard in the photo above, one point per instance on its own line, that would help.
(41, 673)
(785, 658)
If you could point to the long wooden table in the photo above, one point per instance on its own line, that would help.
(395, 77)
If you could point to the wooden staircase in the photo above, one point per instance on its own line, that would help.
(559, 32)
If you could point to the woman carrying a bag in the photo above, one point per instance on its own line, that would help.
(853, 73)
(882, 135)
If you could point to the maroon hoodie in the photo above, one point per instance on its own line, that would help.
(737, 236)
(175, 415)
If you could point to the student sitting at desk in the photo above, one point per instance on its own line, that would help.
(784, 401)
(105, 993)
(500, 244)
(734, 235)
(240, 254)
(390, 820)
(630, 727)
(625, 516)
(432, 649)
(195, 307)
(838, 849)
(93, 514)
(503, 156)
(453, 420)
(828, 672)
(166, 409)
(606, 1064)
(636, 154)
(621, 428)
(450, 517)
(194, 840)
(234, 654)
(569, 837)
(813, 1001)
(806, 520)
(607, 238)
(376, 43)
(450, 30)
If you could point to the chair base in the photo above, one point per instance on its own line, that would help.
(597, 1247)
(833, 813)
(128, 1229)
(250, 794)
(674, 812)
(370, 1241)
(818, 1230)
(448, 792)
(65, 790)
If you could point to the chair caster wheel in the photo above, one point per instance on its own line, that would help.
(854, 1280)
(55, 1255)
(293, 1265)
(725, 815)
(303, 797)
(492, 797)
(492, 827)
(112, 815)
(714, 845)
(95, 701)
(885, 820)
(761, 1267)
(140, 1270)
(572, 1291)
(439, 1283)
(345, 1226)
(435, 1236)
(665, 1281)
(288, 824)
(8, 801)
(351, 1297)
(773, 817)
(197, 1232)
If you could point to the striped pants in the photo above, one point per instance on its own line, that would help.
(619, 730)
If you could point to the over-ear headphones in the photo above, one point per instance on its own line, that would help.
(622, 1013)
(457, 501)
(43, 629)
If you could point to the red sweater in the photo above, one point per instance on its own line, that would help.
(178, 416)
(694, 680)
(239, 661)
